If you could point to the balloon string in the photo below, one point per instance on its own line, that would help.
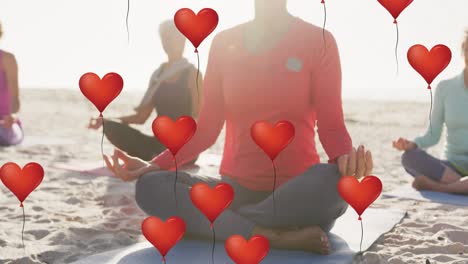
(126, 20)
(430, 113)
(175, 182)
(324, 23)
(102, 142)
(214, 243)
(274, 187)
(22, 231)
(198, 73)
(362, 236)
(396, 47)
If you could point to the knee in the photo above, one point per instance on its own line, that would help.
(409, 157)
(148, 187)
(328, 173)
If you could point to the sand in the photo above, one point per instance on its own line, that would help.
(71, 216)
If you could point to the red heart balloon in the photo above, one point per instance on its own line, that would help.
(243, 252)
(211, 202)
(174, 135)
(272, 139)
(163, 235)
(21, 182)
(395, 7)
(101, 92)
(429, 63)
(359, 194)
(196, 27)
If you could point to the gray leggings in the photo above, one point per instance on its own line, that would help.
(308, 199)
(417, 162)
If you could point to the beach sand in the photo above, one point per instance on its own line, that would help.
(71, 216)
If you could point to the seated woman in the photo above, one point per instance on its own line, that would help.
(172, 92)
(11, 132)
(272, 68)
(450, 108)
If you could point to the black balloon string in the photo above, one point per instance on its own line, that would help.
(22, 231)
(175, 183)
(102, 141)
(430, 112)
(396, 46)
(214, 243)
(274, 187)
(324, 22)
(362, 236)
(198, 73)
(126, 20)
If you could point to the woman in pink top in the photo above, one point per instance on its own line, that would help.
(11, 132)
(273, 68)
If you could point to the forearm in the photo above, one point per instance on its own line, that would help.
(430, 139)
(130, 119)
(458, 187)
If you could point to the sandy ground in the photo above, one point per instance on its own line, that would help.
(72, 216)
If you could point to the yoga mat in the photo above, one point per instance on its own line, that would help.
(209, 164)
(428, 196)
(344, 239)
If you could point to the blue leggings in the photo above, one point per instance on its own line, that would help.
(418, 162)
(305, 200)
(11, 136)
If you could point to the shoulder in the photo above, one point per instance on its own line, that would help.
(312, 33)
(8, 58)
(192, 70)
(228, 36)
(447, 85)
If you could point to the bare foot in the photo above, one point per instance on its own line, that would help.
(423, 183)
(312, 239)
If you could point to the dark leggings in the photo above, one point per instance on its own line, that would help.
(305, 200)
(417, 162)
(132, 141)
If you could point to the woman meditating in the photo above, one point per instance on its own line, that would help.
(172, 92)
(11, 132)
(272, 68)
(450, 108)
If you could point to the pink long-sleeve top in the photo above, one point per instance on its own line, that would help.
(298, 80)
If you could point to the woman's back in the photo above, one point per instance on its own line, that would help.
(4, 92)
(174, 98)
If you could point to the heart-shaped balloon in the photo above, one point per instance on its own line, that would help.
(359, 194)
(174, 135)
(429, 64)
(196, 27)
(395, 7)
(243, 252)
(101, 92)
(163, 235)
(211, 202)
(21, 182)
(272, 139)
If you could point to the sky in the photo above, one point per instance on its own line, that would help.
(56, 41)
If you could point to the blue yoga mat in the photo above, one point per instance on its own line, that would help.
(345, 239)
(428, 196)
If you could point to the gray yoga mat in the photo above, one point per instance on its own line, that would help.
(345, 238)
(428, 196)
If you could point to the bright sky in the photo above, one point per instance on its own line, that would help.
(56, 41)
